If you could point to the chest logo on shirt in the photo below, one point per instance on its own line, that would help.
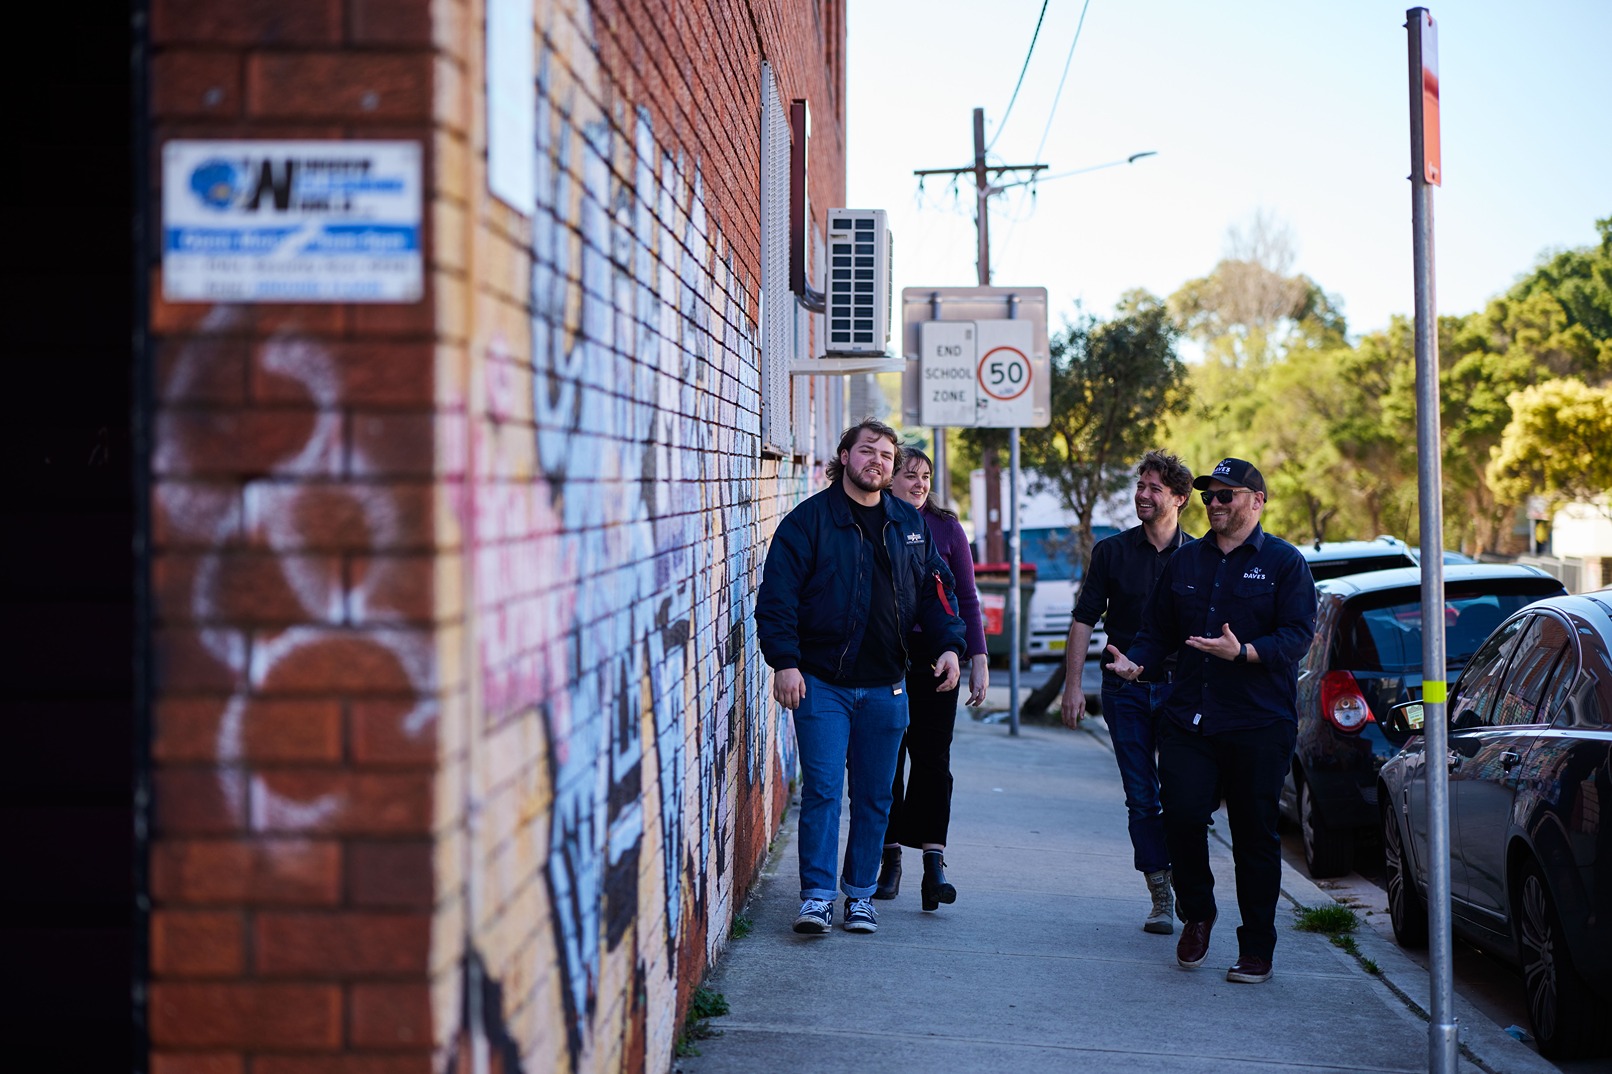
(1256, 574)
(915, 538)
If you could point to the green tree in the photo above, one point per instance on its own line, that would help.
(1112, 383)
(1558, 445)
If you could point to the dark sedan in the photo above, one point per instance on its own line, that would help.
(1530, 799)
(1367, 657)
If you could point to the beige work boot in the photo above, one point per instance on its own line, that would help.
(1161, 920)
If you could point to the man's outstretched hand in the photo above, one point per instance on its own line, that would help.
(1123, 667)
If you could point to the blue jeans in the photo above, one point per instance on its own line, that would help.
(1131, 710)
(840, 729)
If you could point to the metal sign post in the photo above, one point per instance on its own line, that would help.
(1442, 1031)
(978, 357)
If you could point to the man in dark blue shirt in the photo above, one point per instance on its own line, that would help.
(1237, 607)
(1115, 589)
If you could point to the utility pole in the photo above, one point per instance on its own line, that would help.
(983, 189)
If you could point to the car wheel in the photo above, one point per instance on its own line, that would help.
(1327, 851)
(1558, 1000)
(1405, 906)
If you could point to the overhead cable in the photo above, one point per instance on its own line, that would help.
(1022, 71)
(1055, 97)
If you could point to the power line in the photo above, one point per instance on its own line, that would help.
(1056, 96)
(1022, 72)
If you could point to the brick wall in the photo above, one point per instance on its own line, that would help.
(462, 734)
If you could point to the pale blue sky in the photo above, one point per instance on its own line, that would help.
(1298, 108)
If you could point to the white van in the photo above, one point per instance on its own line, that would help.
(1048, 542)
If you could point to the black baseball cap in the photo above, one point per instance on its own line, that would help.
(1238, 473)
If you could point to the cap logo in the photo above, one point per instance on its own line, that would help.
(1223, 469)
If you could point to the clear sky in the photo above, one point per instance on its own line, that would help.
(1298, 109)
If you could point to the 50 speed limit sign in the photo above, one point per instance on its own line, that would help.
(1006, 374)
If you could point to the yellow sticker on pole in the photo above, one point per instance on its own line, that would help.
(1435, 691)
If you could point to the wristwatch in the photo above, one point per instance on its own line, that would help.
(1242, 654)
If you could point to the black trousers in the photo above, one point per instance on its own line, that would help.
(922, 810)
(1247, 767)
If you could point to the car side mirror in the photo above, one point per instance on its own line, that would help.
(1405, 718)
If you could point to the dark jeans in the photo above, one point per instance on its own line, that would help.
(1247, 767)
(922, 809)
(1131, 710)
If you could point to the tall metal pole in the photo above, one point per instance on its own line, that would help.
(1014, 603)
(1442, 1031)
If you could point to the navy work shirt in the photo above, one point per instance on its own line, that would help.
(1121, 574)
(1264, 590)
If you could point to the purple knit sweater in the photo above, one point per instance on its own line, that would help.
(952, 544)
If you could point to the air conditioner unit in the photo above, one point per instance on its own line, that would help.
(857, 304)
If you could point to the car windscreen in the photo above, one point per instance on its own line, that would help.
(1322, 569)
(1382, 632)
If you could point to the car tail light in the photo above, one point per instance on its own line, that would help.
(1342, 703)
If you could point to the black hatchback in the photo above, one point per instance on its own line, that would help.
(1365, 658)
(1530, 802)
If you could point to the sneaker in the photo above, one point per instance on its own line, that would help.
(1159, 919)
(816, 917)
(859, 915)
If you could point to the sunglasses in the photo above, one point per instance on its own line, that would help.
(1221, 495)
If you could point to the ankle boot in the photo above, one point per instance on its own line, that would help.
(1160, 919)
(935, 890)
(889, 874)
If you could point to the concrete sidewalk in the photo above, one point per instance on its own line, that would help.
(1042, 964)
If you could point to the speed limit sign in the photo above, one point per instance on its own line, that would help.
(1006, 374)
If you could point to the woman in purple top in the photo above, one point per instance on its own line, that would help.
(921, 811)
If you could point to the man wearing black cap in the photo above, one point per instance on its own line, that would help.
(1237, 607)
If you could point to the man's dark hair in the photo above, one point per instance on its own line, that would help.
(873, 425)
(1171, 470)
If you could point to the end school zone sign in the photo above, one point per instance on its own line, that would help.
(980, 374)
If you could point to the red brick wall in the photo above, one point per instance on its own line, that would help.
(458, 686)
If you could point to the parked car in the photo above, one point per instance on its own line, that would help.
(1366, 657)
(1332, 559)
(1530, 814)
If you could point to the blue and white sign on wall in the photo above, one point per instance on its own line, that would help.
(291, 222)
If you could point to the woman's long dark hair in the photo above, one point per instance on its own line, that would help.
(912, 454)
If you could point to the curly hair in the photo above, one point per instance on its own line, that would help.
(873, 425)
(1171, 470)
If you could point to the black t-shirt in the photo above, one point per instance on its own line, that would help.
(881, 659)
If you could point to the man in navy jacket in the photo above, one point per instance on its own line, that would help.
(848, 574)
(1238, 608)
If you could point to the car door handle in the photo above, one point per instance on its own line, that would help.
(1453, 759)
(1509, 760)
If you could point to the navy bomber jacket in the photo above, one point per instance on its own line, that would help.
(812, 607)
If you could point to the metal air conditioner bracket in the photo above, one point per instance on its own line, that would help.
(839, 367)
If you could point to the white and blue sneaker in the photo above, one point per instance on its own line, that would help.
(859, 915)
(816, 917)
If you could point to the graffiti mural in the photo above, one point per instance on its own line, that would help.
(614, 586)
(312, 627)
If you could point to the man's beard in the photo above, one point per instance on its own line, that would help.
(862, 483)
